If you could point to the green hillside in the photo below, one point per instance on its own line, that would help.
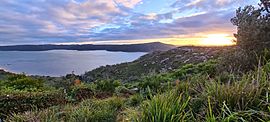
(156, 62)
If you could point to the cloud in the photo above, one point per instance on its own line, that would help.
(59, 20)
(128, 3)
(56, 21)
(182, 26)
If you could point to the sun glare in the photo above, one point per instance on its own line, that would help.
(217, 40)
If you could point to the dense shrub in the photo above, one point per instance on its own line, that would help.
(61, 83)
(237, 61)
(107, 85)
(253, 38)
(189, 70)
(253, 29)
(19, 101)
(82, 92)
(22, 82)
(152, 82)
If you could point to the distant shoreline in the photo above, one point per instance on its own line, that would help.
(146, 47)
(69, 50)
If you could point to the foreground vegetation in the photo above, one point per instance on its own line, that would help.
(191, 93)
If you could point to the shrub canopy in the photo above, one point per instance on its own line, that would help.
(253, 28)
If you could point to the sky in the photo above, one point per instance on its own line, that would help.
(115, 21)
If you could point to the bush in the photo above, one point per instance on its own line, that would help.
(253, 29)
(107, 86)
(82, 92)
(152, 82)
(21, 101)
(155, 82)
(189, 70)
(22, 82)
(237, 61)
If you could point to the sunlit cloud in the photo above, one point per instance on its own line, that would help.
(114, 21)
(217, 40)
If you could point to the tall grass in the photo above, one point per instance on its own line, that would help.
(244, 99)
(87, 111)
(167, 107)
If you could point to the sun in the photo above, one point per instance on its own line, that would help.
(217, 40)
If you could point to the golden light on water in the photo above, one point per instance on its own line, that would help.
(217, 40)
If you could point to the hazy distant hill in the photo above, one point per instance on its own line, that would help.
(146, 47)
(155, 62)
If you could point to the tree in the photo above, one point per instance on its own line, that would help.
(266, 5)
(253, 27)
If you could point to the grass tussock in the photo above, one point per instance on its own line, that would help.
(87, 111)
(167, 107)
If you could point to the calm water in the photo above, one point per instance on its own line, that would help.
(61, 62)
